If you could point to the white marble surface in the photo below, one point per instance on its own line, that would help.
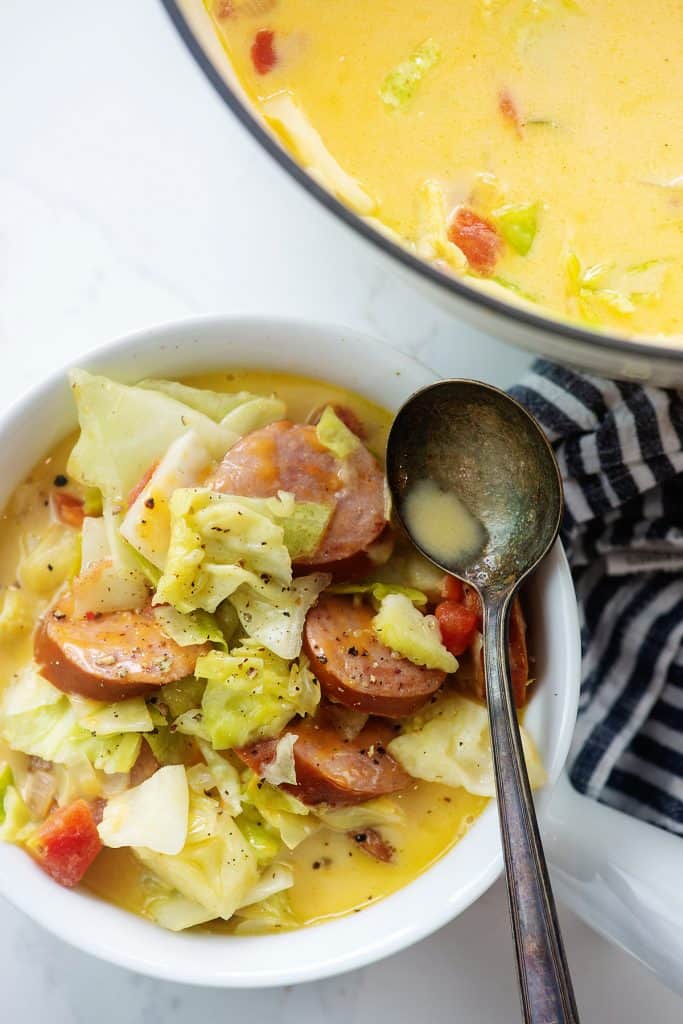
(129, 196)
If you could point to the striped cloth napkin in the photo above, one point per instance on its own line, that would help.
(620, 451)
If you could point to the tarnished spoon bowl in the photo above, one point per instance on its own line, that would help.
(476, 443)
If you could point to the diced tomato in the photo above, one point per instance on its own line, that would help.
(458, 625)
(508, 109)
(68, 508)
(478, 239)
(67, 843)
(452, 589)
(263, 53)
(142, 483)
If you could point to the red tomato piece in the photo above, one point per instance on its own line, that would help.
(263, 55)
(142, 483)
(67, 843)
(478, 239)
(68, 508)
(452, 589)
(458, 625)
(510, 112)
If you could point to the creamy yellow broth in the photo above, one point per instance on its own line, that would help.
(333, 876)
(598, 144)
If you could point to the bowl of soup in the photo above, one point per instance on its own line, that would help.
(242, 741)
(500, 155)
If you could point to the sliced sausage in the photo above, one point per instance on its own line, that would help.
(517, 653)
(356, 669)
(331, 769)
(109, 657)
(289, 457)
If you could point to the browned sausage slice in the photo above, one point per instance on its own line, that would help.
(356, 669)
(288, 457)
(331, 769)
(109, 657)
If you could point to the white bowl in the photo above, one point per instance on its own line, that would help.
(364, 365)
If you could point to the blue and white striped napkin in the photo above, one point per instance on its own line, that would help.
(620, 451)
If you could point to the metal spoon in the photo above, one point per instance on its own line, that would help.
(475, 441)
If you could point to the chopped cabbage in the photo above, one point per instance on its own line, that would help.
(125, 430)
(432, 241)
(147, 523)
(181, 695)
(38, 719)
(304, 522)
(449, 742)
(266, 916)
(264, 840)
(224, 778)
(518, 224)
(215, 869)
(283, 813)
(47, 562)
(168, 746)
(254, 412)
(274, 879)
(372, 814)
(193, 628)
(274, 615)
(17, 614)
(402, 83)
(153, 814)
(378, 591)
(251, 694)
(604, 286)
(79, 779)
(210, 534)
(333, 433)
(399, 625)
(104, 588)
(165, 906)
(218, 404)
(102, 719)
(282, 768)
(94, 541)
(281, 110)
(15, 820)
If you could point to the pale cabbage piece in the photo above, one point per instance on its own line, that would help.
(224, 777)
(282, 111)
(147, 523)
(274, 615)
(249, 696)
(255, 412)
(449, 742)
(217, 405)
(266, 916)
(17, 614)
(275, 878)
(38, 719)
(167, 908)
(304, 522)
(102, 719)
(153, 814)
(378, 591)
(210, 534)
(432, 242)
(79, 779)
(335, 435)
(402, 83)
(287, 817)
(126, 429)
(188, 629)
(376, 813)
(282, 768)
(415, 636)
(215, 869)
(103, 588)
(47, 561)
(94, 541)
(15, 819)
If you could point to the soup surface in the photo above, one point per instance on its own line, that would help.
(534, 144)
(257, 757)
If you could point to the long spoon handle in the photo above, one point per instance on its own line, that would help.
(545, 983)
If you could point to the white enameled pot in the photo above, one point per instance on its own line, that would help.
(364, 365)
